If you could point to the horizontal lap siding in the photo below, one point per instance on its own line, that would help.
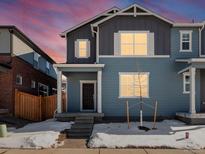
(160, 28)
(165, 86)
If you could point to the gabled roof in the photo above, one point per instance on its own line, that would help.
(28, 41)
(108, 12)
(135, 7)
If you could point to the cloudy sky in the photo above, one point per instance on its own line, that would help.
(43, 20)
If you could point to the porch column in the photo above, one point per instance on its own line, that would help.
(192, 108)
(99, 91)
(59, 91)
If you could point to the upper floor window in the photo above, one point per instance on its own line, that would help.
(133, 43)
(33, 84)
(134, 84)
(82, 48)
(185, 41)
(19, 79)
(43, 89)
(36, 60)
(47, 67)
(186, 82)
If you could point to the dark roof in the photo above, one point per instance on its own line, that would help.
(28, 41)
(5, 65)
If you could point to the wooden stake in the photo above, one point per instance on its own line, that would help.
(155, 116)
(128, 115)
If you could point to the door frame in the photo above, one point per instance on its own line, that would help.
(81, 95)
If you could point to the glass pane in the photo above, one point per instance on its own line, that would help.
(185, 45)
(126, 85)
(141, 85)
(141, 79)
(82, 53)
(126, 38)
(141, 49)
(187, 78)
(187, 87)
(126, 49)
(185, 37)
(140, 38)
(82, 45)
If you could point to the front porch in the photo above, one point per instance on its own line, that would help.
(194, 116)
(84, 90)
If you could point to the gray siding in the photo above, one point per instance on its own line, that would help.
(5, 39)
(83, 32)
(165, 86)
(203, 42)
(160, 28)
(74, 89)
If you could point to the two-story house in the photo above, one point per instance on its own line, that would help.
(122, 55)
(23, 66)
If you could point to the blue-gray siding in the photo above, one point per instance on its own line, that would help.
(165, 86)
(74, 89)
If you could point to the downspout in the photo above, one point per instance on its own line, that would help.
(200, 31)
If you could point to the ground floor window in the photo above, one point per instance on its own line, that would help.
(43, 89)
(134, 84)
(186, 82)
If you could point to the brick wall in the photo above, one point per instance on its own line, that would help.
(28, 73)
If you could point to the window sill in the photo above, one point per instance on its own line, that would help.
(129, 97)
(186, 92)
(185, 51)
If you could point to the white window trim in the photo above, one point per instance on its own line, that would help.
(36, 57)
(81, 94)
(48, 65)
(47, 92)
(133, 73)
(21, 79)
(190, 41)
(185, 82)
(147, 32)
(88, 49)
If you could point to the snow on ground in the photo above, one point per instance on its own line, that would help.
(35, 135)
(169, 134)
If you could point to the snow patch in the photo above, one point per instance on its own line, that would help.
(169, 134)
(35, 135)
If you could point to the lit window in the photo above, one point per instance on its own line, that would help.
(82, 48)
(134, 43)
(185, 41)
(134, 84)
(19, 79)
(33, 84)
(186, 83)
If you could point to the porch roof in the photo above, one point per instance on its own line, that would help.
(79, 67)
(198, 63)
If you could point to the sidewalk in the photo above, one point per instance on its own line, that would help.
(102, 151)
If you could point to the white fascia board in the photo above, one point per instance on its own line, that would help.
(134, 5)
(182, 60)
(188, 24)
(184, 70)
(105, 13)
(79, 65)
(197, 60)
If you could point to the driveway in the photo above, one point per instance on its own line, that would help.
(102, 151)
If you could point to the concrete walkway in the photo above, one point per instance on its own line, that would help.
(102, 151)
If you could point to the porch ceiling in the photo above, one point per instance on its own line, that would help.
(79, 67)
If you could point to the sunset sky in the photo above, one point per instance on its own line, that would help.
(43, 20)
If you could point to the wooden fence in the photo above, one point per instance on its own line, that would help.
(36, 108)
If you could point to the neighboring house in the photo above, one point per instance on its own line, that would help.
(23, 66)
(108, 55)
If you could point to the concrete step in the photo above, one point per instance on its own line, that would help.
(80, 126)
(82, 135)
(83, 122)
(84, 118)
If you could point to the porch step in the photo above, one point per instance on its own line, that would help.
(82, 128)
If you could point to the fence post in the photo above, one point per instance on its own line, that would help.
(40, 105)
(16, 103)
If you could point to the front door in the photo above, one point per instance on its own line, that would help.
(88, 96)
(202, 85)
